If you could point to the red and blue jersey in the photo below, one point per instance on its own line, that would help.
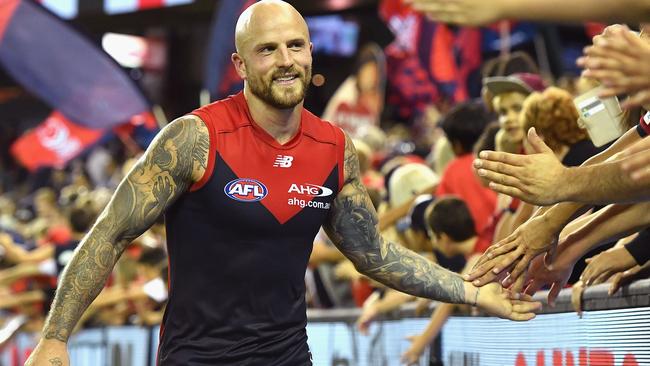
(240, 238)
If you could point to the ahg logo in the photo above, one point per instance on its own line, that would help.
(283, 161)
(310, 190)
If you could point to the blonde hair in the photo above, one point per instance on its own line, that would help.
(554, 117)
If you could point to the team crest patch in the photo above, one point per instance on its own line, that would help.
(245, 190)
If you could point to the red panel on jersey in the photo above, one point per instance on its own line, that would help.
(289, 175)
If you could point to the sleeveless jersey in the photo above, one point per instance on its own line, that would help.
(240, 238)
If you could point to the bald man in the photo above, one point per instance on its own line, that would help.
(244, 184)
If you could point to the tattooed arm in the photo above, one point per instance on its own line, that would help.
(352, 226)
(173, 161)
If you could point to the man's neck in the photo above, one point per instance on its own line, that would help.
(281, 124)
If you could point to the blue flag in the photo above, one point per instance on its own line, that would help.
(59, 65)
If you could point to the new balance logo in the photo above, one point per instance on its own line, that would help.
(283, 161)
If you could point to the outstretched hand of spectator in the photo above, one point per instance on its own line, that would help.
(533, 178)
(625, 278)
(369, 313)
(618, 60)
(617, 280)
(577, 290)
(606, 264)
(412, 355)
(637, 160)
(516, 251)
(556, 275)
(462, 12)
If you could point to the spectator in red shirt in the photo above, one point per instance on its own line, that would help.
(463, 125)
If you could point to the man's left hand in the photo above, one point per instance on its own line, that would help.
(497, 301)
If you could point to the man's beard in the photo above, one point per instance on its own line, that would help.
(276, 95)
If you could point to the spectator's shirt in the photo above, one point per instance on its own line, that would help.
(353, 117)
(239, 241)
(581, 151)
(459, 179)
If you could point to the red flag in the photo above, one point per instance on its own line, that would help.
(53, 143)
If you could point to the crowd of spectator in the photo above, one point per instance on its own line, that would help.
(40, 230)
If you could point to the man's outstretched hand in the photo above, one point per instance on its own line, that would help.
(497, 301)
(538, 178)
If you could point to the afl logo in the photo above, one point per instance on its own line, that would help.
(245, 190)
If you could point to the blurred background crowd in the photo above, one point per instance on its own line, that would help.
(420, 99)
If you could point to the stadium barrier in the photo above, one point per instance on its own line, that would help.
(613, 331)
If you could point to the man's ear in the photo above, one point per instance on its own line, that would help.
(240, 65)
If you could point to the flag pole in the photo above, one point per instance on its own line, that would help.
(159, 114)
(204, 97)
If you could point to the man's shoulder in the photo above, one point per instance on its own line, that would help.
(222, 114)
(217, 106)
(320, 129)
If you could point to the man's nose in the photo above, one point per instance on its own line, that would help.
(284, 57)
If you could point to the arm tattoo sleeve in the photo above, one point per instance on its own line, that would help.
(161, 175)
(352, 226)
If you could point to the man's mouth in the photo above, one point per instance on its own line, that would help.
(285, 79)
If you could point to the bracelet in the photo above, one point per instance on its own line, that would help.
(478, 289)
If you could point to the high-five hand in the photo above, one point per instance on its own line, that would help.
(534, 178)
(499, 302)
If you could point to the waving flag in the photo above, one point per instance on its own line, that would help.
(67, 71)
(221, 79)
(53, 143)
